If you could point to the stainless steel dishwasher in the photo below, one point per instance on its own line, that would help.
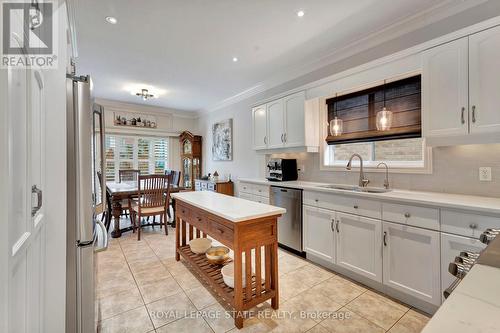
(290, 223)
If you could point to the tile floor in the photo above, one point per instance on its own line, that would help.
(141, 288)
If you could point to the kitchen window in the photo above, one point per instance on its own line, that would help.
(147, 154)
(402, 155)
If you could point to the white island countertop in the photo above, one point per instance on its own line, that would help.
(488, 205)
(230, 208)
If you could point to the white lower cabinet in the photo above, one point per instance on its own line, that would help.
(359, 246)
(411, 261)
(318, 232)
(451, 246)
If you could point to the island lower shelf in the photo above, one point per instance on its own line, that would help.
(255, 246)
(213, 276)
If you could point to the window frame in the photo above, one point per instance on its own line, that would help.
(408, 167)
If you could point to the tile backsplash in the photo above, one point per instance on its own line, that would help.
(455, 170)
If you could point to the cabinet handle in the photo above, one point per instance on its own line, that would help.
(473, 113)
(463, 115)
(331, 224)
(407, 215)
(265, 140)
(337, 226)
(473, 226)
(282, 138)
(385, 238)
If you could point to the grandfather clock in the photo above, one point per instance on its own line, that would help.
(190, 158)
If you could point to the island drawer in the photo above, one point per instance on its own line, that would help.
(469, 224)
(183, 212)
(199, 221)
(341, 203)
(423, 217)
(220, 231)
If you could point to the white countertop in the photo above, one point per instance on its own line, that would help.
(474, 306)
(487, 205)
(231, 208)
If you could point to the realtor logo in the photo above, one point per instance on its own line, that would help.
(28, 34)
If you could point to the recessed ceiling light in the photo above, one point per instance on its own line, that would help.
(235, 59)
(300, 13)
(111, 19)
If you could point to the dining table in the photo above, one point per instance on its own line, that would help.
(119, 191)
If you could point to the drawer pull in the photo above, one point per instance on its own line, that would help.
(356, 206)
(407, 215)
(473, 226)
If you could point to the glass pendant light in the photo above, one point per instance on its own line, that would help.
(384, 117)
(336, 124)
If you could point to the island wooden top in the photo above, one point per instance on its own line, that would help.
(230, 208)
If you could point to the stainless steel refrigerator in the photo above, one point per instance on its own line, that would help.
(86, 234)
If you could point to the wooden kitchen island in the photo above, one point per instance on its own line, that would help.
(249, 229)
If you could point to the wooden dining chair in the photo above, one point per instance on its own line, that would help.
(106, 214)
(153, 193)
(131, 175)
(175, 180)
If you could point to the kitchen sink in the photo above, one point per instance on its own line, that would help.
(356, 188)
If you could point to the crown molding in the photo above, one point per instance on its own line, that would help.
(391, 31)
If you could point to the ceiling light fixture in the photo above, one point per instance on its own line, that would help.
(384, 117)
(111, 20)
(144, 94)
(235, 59)
(300, 13)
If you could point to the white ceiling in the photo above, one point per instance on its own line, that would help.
(185, 47)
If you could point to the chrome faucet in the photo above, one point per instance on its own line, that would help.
(363, 182)
(386, 181)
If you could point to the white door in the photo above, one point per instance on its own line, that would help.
(359, 245)
(318, 232)
(412, 261)
(445, 89)
(25, 183)
(259, 120)
(484, 75)
(294, 119)
(451, 246)
(275, 120)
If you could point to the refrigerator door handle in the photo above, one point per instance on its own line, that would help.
(102, 245)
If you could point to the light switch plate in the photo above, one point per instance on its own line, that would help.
(485, 174)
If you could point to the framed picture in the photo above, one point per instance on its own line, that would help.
(222, 140)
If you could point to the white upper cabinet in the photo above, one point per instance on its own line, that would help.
(359, 245)
(445, 89)
(259, 119)
(276, 124)
(294, 119)
(318, 232)
(291, 122)
(412, 261)
(484, 80)
(460, 90)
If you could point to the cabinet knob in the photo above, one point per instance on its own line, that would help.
(473, 226)
(356, 207)
(316, 200)
(407, 215)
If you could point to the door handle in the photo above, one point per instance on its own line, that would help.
(463, 115)
(39, 197)
(337, 226)
(104, 247)
(473, 113)
(385, 238)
